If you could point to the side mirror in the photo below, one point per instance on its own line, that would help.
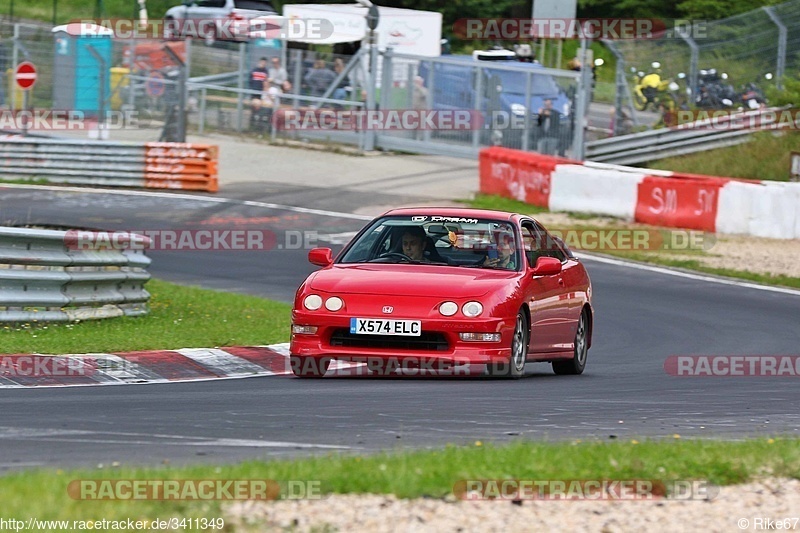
(547, 266)
(320, 256)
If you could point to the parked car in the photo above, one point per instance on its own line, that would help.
(214, 20)
(437, 288)
(502, 97)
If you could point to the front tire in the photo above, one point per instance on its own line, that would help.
(514, 368)
(304, 366)
(576, 365)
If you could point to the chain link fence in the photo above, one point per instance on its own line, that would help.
(159, 90)
(761, 47)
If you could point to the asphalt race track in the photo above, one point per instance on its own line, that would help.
(642, 317)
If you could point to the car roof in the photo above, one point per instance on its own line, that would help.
(453, 212)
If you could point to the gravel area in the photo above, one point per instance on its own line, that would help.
(771, 499)
(736, 252)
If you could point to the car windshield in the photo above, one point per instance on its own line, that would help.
(514, 82)
(438, 241)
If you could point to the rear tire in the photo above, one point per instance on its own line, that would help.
(576, 365)
(304, 366)
(514, 368)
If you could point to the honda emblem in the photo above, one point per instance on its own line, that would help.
(388, 309)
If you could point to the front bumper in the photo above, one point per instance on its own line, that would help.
(445, 348)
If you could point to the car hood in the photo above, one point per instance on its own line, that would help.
(410, 280)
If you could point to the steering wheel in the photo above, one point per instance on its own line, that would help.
(395, 254)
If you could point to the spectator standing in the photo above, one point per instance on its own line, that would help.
(340, 93)
(419, 100)
(319, 78)
(277, 75)
(549, 123)
(258, 76)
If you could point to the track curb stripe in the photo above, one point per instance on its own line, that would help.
(149, 366)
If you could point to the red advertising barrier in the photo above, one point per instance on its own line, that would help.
(680, 201)
(523, 176)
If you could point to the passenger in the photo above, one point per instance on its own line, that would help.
(505, 253)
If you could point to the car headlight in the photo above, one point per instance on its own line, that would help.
(448, 308)
(472, 309)
(334, 303)
(312, 302)
(518, 109)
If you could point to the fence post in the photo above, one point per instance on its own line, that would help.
(298, 72)
(584, 86)
(201, 126)
(426, 133)
(781, 63)
(12, 97)
(240, 95)
(622, 89)
(527, 129)
(387, 76)
(476, 132)
(694, 59)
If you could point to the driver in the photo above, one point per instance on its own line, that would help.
(413, 242)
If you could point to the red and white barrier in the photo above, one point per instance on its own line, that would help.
(661, 198)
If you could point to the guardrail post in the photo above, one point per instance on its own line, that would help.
(781, 62)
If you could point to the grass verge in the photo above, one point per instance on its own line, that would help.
(766, 157)
(180, 317)
(409, 474)
(676, 258)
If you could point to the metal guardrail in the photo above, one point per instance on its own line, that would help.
(45, 279)
(150, 165)
(680, 140)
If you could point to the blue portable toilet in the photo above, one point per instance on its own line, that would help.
(78, 72)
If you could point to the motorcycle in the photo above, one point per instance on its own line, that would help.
(713, 90)
(652, 89)
(752, 96)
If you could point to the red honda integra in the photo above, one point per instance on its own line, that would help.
(438, 288)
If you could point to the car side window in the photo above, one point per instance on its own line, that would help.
(550, 246)
(531, 243)
(210, 3)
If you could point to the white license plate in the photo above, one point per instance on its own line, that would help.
(382, 326)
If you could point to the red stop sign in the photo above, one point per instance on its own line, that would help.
(25, 75)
